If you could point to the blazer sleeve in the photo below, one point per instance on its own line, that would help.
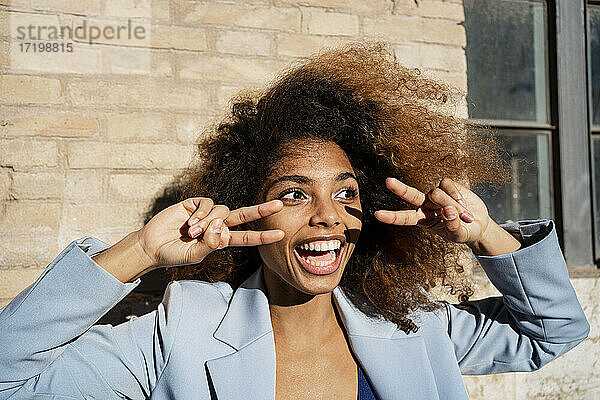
(537, 318)
(50, 346)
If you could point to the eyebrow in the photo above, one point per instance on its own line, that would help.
(305, 179)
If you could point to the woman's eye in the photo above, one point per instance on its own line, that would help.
(295, 195)
(348, 193)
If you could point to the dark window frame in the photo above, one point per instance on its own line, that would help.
(569, 130)
(594, 130)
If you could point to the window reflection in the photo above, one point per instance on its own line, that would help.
(529, 194)
(506, 60)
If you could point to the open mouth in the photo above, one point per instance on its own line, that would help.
(319, 256)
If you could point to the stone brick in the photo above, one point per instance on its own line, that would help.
(441, 57)
(29, 123)
(87, 7)
(37, 185)
(5, 24)
(330, 23)
(408, 55)
(136, 61)
(19, 19)
(191, 127)
(24, 251)
(490, 387)
(13, 281)
(443, 32)
(29, 217)
(302, 45)
(139, 9)
(194, 13)
(252, 2)
(431, 8)
(130, 187)
(243, 42)
(83, 185)
(393, 28)
(587, 293)
(455, 79)
(138, 126)
(371, 7)
(26, 89)
(5, 47)
(82, 60)
(155, 10)
(145, 94)
(113, 32)
(86, 219)
(5, 183)
(133, 156)
(227, 69)
(25, 153)
(224, 95)
(178, 38)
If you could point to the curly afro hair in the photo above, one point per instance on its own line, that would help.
(390, 121)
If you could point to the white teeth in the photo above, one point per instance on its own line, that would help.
(322, 245)
(321, 263)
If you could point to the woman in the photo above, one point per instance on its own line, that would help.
(319, 217)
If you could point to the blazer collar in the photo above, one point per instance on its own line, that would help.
(248, 316)
(395, 363)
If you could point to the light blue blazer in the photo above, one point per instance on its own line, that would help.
(206, 341)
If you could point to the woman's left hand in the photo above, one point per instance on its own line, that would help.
(450, 210)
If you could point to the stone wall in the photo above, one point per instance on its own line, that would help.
(91, 142)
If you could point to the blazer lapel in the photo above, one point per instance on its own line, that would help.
(396, 363)
(249, 370)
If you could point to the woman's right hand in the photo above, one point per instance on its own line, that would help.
(186, 232)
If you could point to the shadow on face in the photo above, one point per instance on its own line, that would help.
(321, 218)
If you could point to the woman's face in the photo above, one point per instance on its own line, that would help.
(321, 217)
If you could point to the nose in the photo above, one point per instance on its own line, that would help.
(325, 214)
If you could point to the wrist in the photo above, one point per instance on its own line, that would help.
(494, 241)
(126, 260)
(144, 257)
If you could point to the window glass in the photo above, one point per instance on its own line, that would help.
(529, 193)
(594, 62)
(506, 60)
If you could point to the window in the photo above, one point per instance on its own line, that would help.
(526, 77)
(507, 78)
(593, 34)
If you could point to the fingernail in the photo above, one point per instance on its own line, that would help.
(462, 203)
(449, 213)
(193, 221)
(195, 231)
(218, 226)
(467, 216)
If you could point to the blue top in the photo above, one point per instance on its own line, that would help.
(365, 391)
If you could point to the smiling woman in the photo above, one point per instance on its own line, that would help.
(316, 221)
(353, 111)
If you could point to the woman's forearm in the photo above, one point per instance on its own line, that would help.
(125, 260)
(496, 241)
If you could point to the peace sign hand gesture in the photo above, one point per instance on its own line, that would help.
(188, 231)
(450, 210)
